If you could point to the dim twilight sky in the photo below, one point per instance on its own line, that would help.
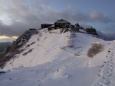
(16, 16)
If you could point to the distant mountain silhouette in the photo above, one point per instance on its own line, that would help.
(4, 45)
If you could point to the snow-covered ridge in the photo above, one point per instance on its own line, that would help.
(45, 47)
(54, 59)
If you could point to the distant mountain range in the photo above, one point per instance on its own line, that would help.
(4, 45)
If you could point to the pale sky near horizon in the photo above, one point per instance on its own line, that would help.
(16, 16)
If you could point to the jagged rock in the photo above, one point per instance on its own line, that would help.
(14, 47)
(65, 26)
(91, 31)
(45, 25)
(62, 24)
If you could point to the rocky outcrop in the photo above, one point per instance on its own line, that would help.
(91, 31)
(15, 46)
(65, 26)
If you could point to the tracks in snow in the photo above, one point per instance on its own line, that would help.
(107, 70)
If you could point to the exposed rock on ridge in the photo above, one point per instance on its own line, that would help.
(15, 46)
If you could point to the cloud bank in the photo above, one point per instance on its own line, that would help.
(20, 15)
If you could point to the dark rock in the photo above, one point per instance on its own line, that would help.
(45, 25)
(15, 46)
(91, 31)
(62, 24)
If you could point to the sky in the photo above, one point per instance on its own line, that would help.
(16, 16)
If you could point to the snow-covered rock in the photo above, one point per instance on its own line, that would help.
(15, 46)
(54, 59)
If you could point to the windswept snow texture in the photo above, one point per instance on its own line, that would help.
(53, 59)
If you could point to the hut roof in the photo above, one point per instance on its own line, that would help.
(62, 21)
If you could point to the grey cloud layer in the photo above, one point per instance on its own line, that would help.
(24, 15)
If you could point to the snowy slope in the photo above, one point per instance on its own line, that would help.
(53, 59)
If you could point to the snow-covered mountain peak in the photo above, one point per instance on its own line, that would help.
(47, 46)
(51, 58)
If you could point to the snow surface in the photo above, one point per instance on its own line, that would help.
(61, 60)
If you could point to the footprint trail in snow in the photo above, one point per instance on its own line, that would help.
(107, 70)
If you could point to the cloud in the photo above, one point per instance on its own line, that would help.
(96, 16)
(5, 37)
(23, 15)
